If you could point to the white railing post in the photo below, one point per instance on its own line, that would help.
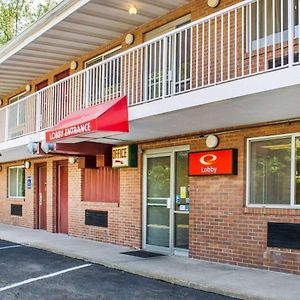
(164, 67)
(38, 112)
(291, 32)
(6, 124)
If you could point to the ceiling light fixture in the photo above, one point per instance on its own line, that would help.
(132, 10)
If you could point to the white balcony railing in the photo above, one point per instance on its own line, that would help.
(251, 37)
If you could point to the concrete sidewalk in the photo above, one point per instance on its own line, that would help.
(224, 279)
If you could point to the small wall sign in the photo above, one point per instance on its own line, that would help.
(215, 162)
(29, 182)
(124, 156)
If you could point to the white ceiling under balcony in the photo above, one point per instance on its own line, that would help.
(71, 29)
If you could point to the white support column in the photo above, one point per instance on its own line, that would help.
(291, 32)
(38, 113)
(164, 67)
(6, 124)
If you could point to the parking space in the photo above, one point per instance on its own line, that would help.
(6, 244)
(28, 273)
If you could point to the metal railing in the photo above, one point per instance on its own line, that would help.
(248, 38)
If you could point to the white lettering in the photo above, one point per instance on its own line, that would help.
(211, 170)
(56, 135)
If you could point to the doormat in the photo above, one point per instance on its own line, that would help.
(142, 254)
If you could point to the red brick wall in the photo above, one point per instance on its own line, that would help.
(221, 227)
(124, 219)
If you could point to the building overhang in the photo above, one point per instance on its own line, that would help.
(68, 31)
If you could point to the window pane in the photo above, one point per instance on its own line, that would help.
(266, 19)
(21, 182)
(270, 172)
(13, 182)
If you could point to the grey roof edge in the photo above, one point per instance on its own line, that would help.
(48, 21)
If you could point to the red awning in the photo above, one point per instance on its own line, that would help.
(111, 116)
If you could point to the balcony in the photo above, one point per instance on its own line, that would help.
(230, 49)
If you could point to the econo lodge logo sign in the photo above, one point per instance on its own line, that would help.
(217, 162)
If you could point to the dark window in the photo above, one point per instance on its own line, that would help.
(96, 218)
(284, 235)
(16, 210)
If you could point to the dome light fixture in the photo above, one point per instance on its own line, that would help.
(132, 10)
(28, 88)
(72, 160)
(212, 141)
(213, 3)
(74, 65)
(27, 164)
(129, 39)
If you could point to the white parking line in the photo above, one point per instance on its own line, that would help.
(9, 247)
(17, 284)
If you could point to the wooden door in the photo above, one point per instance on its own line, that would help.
(42, 197)
(62, 198)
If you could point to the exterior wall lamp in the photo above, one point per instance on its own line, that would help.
(73, 160)
(28, 88)
(27, 164)
(129, 39)
(213, 3)
(74, 65)
(212, 141)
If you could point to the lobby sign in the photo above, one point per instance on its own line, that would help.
(215, 162)
(124, 156)
(86, 127)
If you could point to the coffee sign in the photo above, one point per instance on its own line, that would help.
(216, 162)
(124, 156)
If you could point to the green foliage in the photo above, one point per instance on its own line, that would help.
(17, 15)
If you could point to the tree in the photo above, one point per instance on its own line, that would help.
(17, 15)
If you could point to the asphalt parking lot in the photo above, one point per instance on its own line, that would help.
(29, 273)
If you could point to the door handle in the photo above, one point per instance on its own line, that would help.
(41, 199)
(169, 203)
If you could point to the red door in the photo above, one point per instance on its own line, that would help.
(62, 202)
(42, 197)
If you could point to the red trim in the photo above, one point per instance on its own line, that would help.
(109, 116)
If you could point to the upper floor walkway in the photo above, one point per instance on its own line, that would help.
(235, 67)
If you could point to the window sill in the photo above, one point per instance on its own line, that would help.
(291, 211)
(15, 198)
(101, 203)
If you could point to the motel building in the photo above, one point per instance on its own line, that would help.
(171, 126)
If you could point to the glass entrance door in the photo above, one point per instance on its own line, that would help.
(166, 224)
(158, 201)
